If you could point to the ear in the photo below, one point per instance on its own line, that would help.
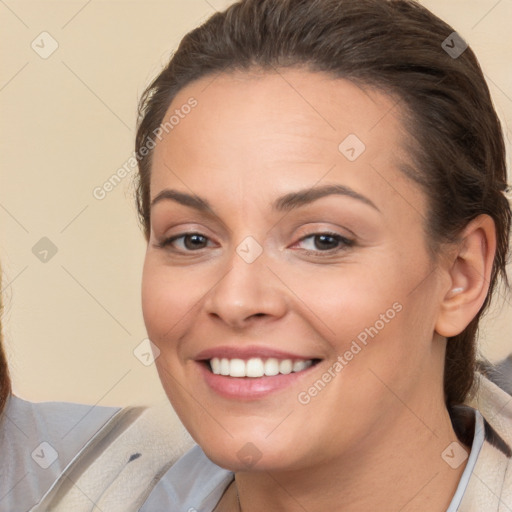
(469, 277)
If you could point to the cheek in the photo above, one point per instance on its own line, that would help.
(162, 304)
(368, 313)
(346, 301)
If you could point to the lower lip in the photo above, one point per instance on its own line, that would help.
(249, 388)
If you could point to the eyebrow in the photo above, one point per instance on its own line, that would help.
(285, 203)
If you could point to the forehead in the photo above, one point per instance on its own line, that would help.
(303, 102)
(280, 128)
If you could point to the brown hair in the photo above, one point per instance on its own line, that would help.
(395, 46)
(5, 381)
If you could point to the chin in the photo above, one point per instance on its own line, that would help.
(247, 458)
(240, 453)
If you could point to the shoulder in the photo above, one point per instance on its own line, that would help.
(120, 468)
(63, 456)
(37, 441)
(495, 405)
(53, 421)
(490, 486)
(194, 482)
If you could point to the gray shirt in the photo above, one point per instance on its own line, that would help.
(38, 441)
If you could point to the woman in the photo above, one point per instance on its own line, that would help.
(322, 191)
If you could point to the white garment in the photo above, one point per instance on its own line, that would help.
(490, 487)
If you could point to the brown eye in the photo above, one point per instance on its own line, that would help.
(195, 241)
(188, 242)
(325, 243)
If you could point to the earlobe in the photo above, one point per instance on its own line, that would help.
(469, 277)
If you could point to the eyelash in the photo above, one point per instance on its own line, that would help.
(346, 243)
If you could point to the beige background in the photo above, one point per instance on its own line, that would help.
(67, 124)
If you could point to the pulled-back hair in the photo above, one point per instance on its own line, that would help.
(395, 46)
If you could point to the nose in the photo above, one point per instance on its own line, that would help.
(247, 293)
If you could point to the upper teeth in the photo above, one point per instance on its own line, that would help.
(257, 367)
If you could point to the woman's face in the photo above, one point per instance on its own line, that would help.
(277, 274)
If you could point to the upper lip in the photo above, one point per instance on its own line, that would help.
(248, 352)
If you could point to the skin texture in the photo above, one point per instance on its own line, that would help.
(381, 420)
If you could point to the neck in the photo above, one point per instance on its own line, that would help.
(407, 451)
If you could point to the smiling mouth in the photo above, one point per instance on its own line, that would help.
(257, 367)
